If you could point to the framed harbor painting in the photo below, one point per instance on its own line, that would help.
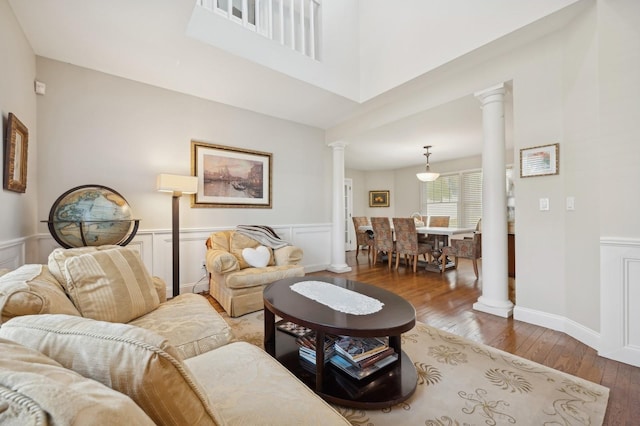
(230, 177)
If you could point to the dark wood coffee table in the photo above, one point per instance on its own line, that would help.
(389, 386)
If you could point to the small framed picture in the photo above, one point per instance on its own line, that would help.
(539, 160)
(378, 198)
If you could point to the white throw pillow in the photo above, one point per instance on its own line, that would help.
(257, 257)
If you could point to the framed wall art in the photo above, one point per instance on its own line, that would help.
(230, 177)
(540, 160)
(15, 155)
(378, 198)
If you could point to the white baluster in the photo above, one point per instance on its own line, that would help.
(303, 47)
(312, 29)
(292, 23)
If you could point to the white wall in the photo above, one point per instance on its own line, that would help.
(576, 87)
(17, 96)
(401, 43)
(119, 133)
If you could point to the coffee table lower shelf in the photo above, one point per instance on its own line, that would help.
(389, 386)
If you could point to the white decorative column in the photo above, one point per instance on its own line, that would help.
(495, 281)
(338, 255)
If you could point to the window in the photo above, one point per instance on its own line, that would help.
(458, 196)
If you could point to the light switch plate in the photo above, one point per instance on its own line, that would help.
(544, 204)
(571, 203)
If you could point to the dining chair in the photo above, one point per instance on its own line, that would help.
(468, 248)
(407, 241)
(363, 238)
(382, 238)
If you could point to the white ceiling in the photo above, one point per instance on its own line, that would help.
(145, 40)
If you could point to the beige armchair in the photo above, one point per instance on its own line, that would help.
(235, 283)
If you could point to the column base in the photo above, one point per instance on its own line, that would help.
(339, 269)
(502, 309)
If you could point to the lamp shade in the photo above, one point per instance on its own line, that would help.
(177, 184)
(427, 176)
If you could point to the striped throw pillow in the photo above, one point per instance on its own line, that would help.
(110, 285)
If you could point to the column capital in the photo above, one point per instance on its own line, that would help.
(338, 144)
(486, 95)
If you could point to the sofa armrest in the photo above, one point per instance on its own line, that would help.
(221, 262)
(288, 255)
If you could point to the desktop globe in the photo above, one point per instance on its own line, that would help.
(91, 215)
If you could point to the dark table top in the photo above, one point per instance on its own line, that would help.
(396, 316)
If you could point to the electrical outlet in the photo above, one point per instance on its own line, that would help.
(204, 265)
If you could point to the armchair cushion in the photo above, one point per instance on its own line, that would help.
(36, 390)
(128, 359)
(30, 290)
(110, 285)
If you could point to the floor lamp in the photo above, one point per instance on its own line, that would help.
(177, 185)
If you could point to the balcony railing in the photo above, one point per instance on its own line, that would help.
(292, 23)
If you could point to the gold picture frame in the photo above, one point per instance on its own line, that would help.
(231, 177)
(15, 155)
(541, 160)
(378, 198)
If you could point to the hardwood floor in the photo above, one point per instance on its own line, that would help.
(445, 301)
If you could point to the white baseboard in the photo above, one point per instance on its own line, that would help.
(556, 322)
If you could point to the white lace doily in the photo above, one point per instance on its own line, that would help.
(338, 298)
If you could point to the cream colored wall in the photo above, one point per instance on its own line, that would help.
(17, 96)
(101, 129)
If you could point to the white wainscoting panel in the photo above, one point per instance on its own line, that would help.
(619, 300)
(315, 241)
(12, 253)
(156, 251)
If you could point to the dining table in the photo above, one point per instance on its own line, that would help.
(442, 234)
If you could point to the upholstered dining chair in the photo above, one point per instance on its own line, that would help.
(383, 238)
(407, 241)
(363, 238)
(468, 248)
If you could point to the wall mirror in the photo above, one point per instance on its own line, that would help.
(15, 155)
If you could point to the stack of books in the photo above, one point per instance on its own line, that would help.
(307, 349)
(360, 357)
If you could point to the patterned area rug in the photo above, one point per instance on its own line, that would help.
(461, 382)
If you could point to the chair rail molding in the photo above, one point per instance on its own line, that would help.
(619, 299)
(155, 249)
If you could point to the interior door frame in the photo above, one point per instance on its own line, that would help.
(349, 237)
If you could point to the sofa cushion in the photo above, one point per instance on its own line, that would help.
(252, 277)
(190, 324)
(36, 390)
(132, 360)
(239, 242)
(32, 289)
(245, 384)
(110, 285)
(59, 256)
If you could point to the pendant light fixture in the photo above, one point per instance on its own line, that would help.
(427, 175)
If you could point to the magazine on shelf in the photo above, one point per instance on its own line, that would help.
(359, 348)
(366, 362)
(360, 373)
(307, 347)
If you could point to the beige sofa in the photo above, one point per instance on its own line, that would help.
(236, 284)
(89, 339)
